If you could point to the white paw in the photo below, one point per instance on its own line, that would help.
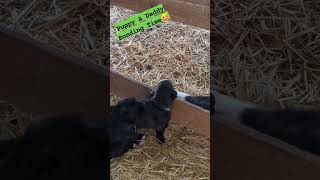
(142, 140)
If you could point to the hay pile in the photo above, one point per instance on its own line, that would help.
(185, 155)
(171, 51)
(268, 52)
(78, 27)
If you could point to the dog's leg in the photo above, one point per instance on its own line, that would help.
(139, 140)
(160, 136)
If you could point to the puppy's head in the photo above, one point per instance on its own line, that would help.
(164, 94)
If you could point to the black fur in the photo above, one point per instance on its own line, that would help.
(212, 104)
(164, 95)
(153, 112)
(157, 110)
(206, 102)
(136, 114)
(151, 116)
(130, 114)
(296, 127)
(201, 101)
(5, 148)
(123, 128)
(61, 147)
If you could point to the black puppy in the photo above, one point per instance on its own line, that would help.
(60, 147)
(156, 111)
(296, 127)
(130, 114)
(123, 129)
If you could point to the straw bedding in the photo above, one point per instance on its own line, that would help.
(268, 52)
(172, 51)
(185, 155)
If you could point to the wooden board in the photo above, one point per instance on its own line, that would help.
(244, 154)
(43, 80)
(192, 12)
(184, 113)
